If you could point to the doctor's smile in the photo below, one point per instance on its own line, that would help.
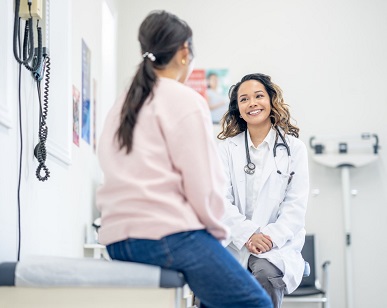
(255, 112)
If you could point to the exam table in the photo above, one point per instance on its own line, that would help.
(56, 282)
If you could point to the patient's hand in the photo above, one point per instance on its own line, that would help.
(259, 243)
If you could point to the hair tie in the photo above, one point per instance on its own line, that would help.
(150, 56)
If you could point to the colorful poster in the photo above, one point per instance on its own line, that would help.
(76, 97)
(86, 59)
(197, 81)
(217, 92)
(213, 85)
(94, 115)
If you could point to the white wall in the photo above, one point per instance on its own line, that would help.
(329, 57)
(54, 213)
(8, 162)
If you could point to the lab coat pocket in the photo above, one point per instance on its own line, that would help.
(277, 186)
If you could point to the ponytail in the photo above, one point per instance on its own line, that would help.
(140, 89)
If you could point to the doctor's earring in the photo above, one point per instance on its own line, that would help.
(183, 61)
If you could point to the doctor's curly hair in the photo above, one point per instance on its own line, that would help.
(232, 124)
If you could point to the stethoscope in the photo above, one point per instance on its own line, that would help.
(250, 167)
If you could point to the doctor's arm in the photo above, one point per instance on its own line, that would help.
(292, 210)
(241, 228)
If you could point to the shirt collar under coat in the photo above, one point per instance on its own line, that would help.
(269, 139)
(239, 139)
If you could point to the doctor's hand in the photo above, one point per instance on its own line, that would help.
(259, 243)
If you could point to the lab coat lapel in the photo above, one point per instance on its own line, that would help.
(270, 165)
(239, 161)
(268, 168)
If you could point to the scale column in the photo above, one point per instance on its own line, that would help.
(346, 192)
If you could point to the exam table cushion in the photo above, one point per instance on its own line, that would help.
(84, 272)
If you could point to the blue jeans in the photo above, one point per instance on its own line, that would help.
(211, 272)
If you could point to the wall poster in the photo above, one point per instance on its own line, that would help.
(213, 85)
(94, 115)
(86, 59)
(76, 97)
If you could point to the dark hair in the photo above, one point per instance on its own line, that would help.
(233, 124)
(162, 34)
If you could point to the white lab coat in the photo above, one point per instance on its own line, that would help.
(281, 208)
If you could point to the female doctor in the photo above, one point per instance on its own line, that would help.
(266, 169)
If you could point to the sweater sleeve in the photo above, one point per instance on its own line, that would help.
(192, 148)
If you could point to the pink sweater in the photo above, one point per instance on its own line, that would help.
(172, 179)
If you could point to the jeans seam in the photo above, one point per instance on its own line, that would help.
(169, 259)
(111, 251)
(124, 254)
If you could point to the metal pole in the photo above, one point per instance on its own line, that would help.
(347, 228)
